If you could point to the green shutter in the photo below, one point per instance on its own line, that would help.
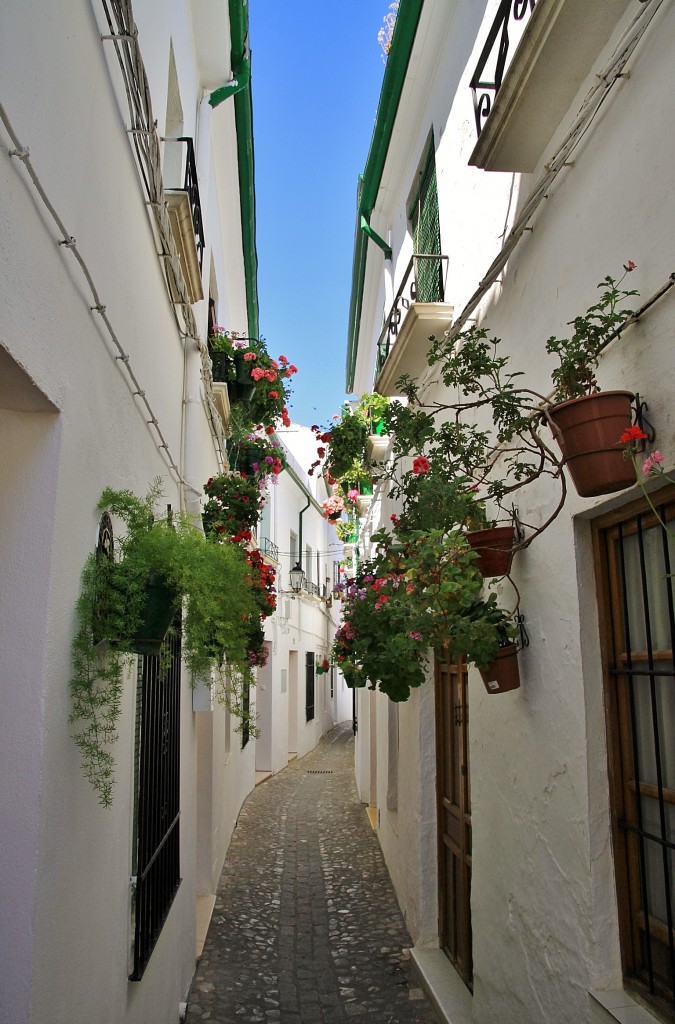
(426, 232)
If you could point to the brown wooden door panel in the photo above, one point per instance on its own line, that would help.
(454, 815)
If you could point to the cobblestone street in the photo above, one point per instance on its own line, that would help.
(306, 928)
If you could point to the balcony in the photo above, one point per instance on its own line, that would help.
(185, 215)
(269, 550)
(535, 60)
(419, 312)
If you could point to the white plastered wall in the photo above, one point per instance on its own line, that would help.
(543, 904)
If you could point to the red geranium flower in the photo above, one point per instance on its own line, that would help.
(633, 433)
(421, 465)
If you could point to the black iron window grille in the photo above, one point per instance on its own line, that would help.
(487, 78)
(309, 686)
(246, 718)
(157, 811)
(269, 548)
(409, 293)
(640, 558)
(191, 186)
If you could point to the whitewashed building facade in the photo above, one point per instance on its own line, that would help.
(296, 700)
(538, 886)
(127, 198)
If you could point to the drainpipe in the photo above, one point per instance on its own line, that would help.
(301, 514)
(240, 79)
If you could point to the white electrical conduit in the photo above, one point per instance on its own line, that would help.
(145, 137)
(21, 153)
(610, 74)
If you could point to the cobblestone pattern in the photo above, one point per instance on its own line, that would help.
(306, 928)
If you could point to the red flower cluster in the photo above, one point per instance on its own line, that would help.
(420, 465)
(262, 580)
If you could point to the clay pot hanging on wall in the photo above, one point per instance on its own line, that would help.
(494, 548)
(502, 674)
(589, 437)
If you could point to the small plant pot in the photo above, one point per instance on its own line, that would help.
(502, 674)
(333, 517)
(589, 431)
(494, 548)
(161, 604)
(241, 392)
(221, 367)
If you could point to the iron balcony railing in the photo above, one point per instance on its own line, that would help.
(312, 588)
(191, 186)
(423, 281)
(269, 548)
(485, 84)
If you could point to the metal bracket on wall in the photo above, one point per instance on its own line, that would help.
(519, 620)
(641, 421)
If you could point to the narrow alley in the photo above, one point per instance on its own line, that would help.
(306, 928)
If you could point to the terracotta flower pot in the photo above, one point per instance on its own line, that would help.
(590, 428)
(494, 549)
(502, 674)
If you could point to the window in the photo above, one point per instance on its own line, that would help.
(309, 563)
(423, 215)
(638, 559)
(309, 686)
(156, 866)
(293, 547)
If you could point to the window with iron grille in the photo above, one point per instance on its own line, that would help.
(309, 686)
(424, 217)
(156, 862)
(246, 707)
(638, 560)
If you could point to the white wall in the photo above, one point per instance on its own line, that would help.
(65, 872)
(543, 904)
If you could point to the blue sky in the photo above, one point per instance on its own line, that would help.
(316, 73)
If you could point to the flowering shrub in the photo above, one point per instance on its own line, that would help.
(333, 506)
(421, 591)
(257, 455)
(234, 504)
(246, 361)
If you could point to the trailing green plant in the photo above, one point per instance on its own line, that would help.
(579, 354)
(211, 580)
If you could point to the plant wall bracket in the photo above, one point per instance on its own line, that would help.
(517, 525)
(519, 620)
(641, 421)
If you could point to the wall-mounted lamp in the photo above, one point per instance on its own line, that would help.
(297, 578)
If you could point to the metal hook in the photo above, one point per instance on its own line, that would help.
(641, 421)
(517, 525)
(519, 620)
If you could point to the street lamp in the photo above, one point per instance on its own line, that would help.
(297, 578)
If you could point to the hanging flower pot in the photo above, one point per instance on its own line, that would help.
(221, 366)
(159, 609)
(494, 548)
(333, 517)
(589, 431)
(502, 674)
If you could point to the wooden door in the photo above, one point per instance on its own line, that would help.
(454, 815)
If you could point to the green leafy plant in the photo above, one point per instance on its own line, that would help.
(579, 354)
(234, 505)
(211, 580)
(246, 363)
(421, 592)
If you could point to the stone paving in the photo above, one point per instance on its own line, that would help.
(306, 927)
